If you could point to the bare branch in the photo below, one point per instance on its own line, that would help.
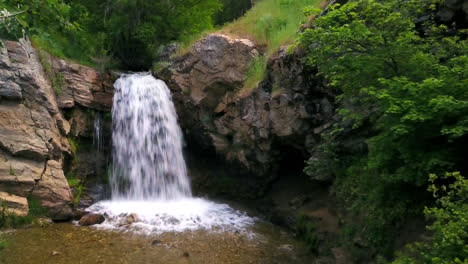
(12, 14)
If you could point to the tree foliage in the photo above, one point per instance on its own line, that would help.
(135, 29)
(449, 224)
(405, 85)
(129, 30)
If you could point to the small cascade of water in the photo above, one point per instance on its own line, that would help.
(98, 132)
(149, 176)
(148, 163)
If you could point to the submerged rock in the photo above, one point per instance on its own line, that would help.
(91, 219)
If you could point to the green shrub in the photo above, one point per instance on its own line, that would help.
(77, 187)
(449, 224)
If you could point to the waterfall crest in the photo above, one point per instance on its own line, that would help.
(148, 162)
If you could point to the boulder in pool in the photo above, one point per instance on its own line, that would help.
(91, 219)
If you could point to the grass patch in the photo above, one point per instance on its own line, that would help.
(36, 210)
(271, 23)
(255, 74)
(11, 220)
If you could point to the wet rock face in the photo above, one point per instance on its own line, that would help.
(248, 128)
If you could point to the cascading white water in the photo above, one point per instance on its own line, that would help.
(147, 142)
(97, 135)
(149, 178)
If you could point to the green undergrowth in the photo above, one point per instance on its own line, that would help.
(61, 47)
(255, 73)
(272, 23)
(57, 79)
(306, 230)
(11, 220)
(269, 23)
(77, 186)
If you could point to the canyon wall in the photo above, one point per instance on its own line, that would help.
(34, 144)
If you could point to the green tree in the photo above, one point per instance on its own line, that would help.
(135, 29)
(406, 88)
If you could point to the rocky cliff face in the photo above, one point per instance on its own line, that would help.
(252, 129)
(33, 130)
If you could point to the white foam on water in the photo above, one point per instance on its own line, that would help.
(180, 215)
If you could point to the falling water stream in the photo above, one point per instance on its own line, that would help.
(148, 163)
(98, 139)
(149, 175)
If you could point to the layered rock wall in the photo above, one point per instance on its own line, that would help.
(249, 127)
(33, 131)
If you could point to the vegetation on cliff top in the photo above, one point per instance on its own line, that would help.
(404, 109)
(124, 33)
(272, 23)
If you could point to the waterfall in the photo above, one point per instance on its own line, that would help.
(97, 135)
(149, 178)
(148, 163)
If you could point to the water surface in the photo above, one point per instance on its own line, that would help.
(66, 243)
